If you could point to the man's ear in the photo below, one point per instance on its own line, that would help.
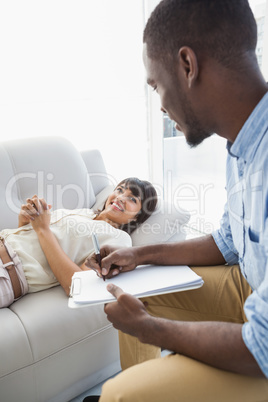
(188, 64)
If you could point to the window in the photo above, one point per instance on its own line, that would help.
(197, 176)
(260, 10)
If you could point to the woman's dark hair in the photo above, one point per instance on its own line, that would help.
(222, 29)
(148, 196)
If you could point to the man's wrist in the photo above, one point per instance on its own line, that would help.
(147, 254)
(149, 331)
(138, 255)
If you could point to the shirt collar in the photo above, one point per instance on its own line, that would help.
(249, 137)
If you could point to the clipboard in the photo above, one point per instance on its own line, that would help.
(146, 280)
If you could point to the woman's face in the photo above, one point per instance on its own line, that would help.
(122, 206)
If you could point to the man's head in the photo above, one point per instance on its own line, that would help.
(223, 29)
(192, 48)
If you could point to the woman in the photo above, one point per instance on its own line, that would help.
(48, 248)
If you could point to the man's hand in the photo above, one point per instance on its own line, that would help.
(218, 344)
(128, 314)
(113, 261)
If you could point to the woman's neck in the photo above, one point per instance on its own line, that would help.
(103, 217)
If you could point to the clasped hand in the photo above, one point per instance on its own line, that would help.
(37, 212)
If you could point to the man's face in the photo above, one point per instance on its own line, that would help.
(174, 100)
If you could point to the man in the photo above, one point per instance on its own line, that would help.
(200, 58)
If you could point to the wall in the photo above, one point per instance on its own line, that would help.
(74, 68)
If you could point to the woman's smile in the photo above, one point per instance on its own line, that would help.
(117, 206)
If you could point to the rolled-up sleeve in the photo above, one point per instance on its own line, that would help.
(224, 240)
(255, 331)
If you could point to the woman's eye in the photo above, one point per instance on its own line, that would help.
(133, 199)
(119, 189)
(154, 88)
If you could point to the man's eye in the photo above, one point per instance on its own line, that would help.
(154, 88)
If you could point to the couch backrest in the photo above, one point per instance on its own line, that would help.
(50, 167)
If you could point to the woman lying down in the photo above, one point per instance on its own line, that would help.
(49, 247)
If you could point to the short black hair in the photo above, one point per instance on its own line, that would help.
(222, 29)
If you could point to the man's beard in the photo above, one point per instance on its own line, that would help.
(195, 133)
(196, 136)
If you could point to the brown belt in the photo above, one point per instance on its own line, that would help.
(10, 267)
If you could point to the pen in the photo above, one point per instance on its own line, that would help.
(97, 250)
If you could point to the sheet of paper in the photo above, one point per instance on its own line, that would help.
(87, 288)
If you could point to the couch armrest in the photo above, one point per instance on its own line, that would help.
(96, 168)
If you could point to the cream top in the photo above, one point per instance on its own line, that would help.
(73, 229)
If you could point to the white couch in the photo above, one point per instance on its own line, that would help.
(49, 352)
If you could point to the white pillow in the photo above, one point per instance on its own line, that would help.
(166, 224)
(102, 197)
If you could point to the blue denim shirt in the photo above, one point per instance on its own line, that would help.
(243, 234)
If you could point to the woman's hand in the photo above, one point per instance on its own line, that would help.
(36, 212)
(26, 214)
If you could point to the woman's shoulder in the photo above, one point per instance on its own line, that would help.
(111, 235)
(62, 213)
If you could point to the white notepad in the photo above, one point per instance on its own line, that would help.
(88, 289)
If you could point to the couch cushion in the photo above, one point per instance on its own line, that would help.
(15, 349)
(47, 347)
(49, 167)
(8, 192)
(51, 327)
(96, 168)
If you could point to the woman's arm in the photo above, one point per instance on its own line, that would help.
(61, 265)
